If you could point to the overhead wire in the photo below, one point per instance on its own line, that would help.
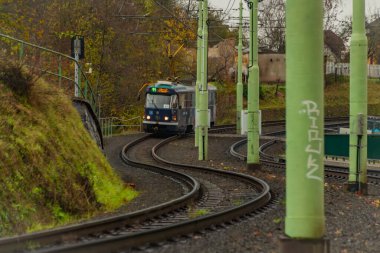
(228, 12)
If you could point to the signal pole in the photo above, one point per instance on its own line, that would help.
(239, 85)
(305, 219)
(357, 181)
(203, 93)
(199, 69)
(253, 159)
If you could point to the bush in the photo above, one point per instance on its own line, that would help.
(16, 79)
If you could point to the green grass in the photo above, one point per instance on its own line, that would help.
(198, 213)
(52, 171)
(273, 104)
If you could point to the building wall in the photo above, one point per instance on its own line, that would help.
(272, 68)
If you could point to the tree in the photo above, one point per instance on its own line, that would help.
(272, 25)
(272, 22)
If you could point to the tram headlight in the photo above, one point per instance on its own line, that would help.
(166, 118)
(148, 117)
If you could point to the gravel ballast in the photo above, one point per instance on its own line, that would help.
(352, 221)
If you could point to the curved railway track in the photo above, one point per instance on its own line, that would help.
(338, 172)
(191, 191)
(225, 196)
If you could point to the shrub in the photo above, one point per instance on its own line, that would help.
(16, 79)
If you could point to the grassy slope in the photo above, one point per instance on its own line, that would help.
(52, 171)
(336, 101)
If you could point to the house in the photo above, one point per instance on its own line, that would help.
(334, 48)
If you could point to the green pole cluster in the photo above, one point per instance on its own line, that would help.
(203, 94)
(199, 67)
(304, 120)
(239, 85)
(253, 137)
(357, 181)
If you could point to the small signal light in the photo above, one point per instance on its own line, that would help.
(174, 118)
(166, 118)
(148, 117)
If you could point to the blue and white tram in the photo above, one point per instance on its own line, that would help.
(170, 108)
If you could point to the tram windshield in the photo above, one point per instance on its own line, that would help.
(161, 101)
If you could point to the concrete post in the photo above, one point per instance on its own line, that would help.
(253, 159)
(77, 76)
(305, 219)
(239, 85)
(203, 94)
(357, 181)
(199, 67)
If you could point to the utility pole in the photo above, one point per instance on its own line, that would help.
(77, 76)
(203, 93)
(239, 85)
(305, 219)
(357, 181)
(77, 51)
(199, 69)
(253, 159)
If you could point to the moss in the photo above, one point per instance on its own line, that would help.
(198, 213)
(52, 171)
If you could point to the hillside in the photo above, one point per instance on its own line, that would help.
(52, 172)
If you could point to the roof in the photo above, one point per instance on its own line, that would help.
(334, 42)
(374, 24)
(178, 87)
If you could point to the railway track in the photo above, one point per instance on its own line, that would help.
(59, 236)
(225, 196)
(337, 172)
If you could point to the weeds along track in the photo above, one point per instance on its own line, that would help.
(210, 198)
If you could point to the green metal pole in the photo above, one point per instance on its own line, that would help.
(253, 159)
(304, 120)
(60, 71)
(239, 85)
(203, 94)
(357, 181)
(86, 89)
(199, 68)
(21, 52)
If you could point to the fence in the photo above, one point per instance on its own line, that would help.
(343, 69)
(112, 125)
(53, 64)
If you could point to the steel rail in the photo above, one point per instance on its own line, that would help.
(122, 242)
(268, 158)
(73, 232)
(332, 170)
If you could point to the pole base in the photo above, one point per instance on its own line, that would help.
(357, 187)
(253, 166)
(292, 245)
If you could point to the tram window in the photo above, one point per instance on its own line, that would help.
(157, 101)
(189, 100)
(182, 100)
(174, 102)
(211, 98)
